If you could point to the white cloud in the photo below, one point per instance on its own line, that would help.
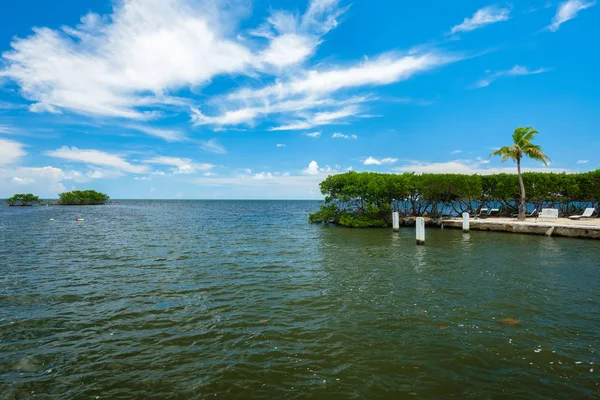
(5, 129)
(456, 152)
(312, 169)
(482, 17)
(125, 64)
(375, 161)
(96, 157)
(213, 146)
(313, 134)
(22, 181)
(339, 135)
(263, 175)
(309, 97)
(143, 178)
(320, 119)
(44, 181)
(170, 135)
(580, 162)
(468, 167)
(567, 11)
(182, 166)
(292, 38)
(280, 145)
(10, 151)
(517, 70)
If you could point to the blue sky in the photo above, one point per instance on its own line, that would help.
(263, 99)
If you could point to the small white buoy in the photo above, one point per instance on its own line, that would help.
(51, 219)
(79, 219)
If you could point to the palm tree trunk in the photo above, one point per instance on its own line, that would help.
(522, 208)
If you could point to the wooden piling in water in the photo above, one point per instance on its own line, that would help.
(465, 222)
(396, 221)
(420, 225)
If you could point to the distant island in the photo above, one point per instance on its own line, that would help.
(72, 198)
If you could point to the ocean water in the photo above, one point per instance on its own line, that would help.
(245, 299)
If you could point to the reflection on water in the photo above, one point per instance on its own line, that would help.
(245, 299)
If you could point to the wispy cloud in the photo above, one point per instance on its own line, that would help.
(482, 17)
(567, 11)
(181, 166)
(318, 94)
(5, 129)
(169, 135)
(213, 146)
(280, 145)
(375, 161)
(96, 157)
(339, 135)
(320, 119)
(456, 152)
(517, 70)
(580, 162)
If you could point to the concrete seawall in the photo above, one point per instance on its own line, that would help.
(588, 229)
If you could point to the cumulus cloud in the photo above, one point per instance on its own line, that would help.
(314, 169)
(213, 146)
(482, 17)
(375, 161)
(517, 70)
(126, 63)
(96, 157)
(45, 181)
(339, 135)
(10, 151)
(183, 166)
(107, 65)
(567, 11)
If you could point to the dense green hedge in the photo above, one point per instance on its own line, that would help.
(366, 199)
(82, 197)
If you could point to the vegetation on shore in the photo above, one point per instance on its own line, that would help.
(522, 147)
(82, 198)
(23, 200)
(367, 199)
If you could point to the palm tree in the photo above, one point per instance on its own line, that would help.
(522, 147)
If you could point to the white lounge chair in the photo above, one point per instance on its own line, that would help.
(548, 213)
(533, 214)
(586, 214)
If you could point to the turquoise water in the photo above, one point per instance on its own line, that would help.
(245, 299)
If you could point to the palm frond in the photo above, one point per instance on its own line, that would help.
(522, 146)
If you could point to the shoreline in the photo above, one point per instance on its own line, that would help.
(563, 227)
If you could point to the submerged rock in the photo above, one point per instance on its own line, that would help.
(510, 321)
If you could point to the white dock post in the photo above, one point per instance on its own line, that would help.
(420, 225)
(396, 221)
(465, 222)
